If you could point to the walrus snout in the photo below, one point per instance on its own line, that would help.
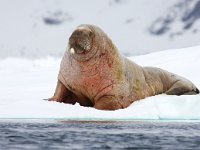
(81, 40)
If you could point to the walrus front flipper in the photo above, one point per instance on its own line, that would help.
(182, 88)
(62, 94)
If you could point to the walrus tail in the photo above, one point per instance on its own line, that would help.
(181, 88)
(197, 91)
(193, 92)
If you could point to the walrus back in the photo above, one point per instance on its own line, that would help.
(166, 82)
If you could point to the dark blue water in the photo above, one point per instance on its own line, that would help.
(99, 135)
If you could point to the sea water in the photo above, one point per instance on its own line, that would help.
(99, 135)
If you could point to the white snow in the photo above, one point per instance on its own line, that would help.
(25, 83)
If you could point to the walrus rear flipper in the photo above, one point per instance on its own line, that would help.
(182, 88)
(197, 91)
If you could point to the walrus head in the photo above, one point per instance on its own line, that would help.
(87, 41)
(81, 43)
(81, 40)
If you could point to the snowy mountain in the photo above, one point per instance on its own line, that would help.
(182, 17)
(40, 28)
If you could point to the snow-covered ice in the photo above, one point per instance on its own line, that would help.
(24, 83)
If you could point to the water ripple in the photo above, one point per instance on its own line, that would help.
(99, 135)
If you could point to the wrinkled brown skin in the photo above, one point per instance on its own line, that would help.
(96, 75)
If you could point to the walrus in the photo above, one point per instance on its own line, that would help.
(94, 74)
